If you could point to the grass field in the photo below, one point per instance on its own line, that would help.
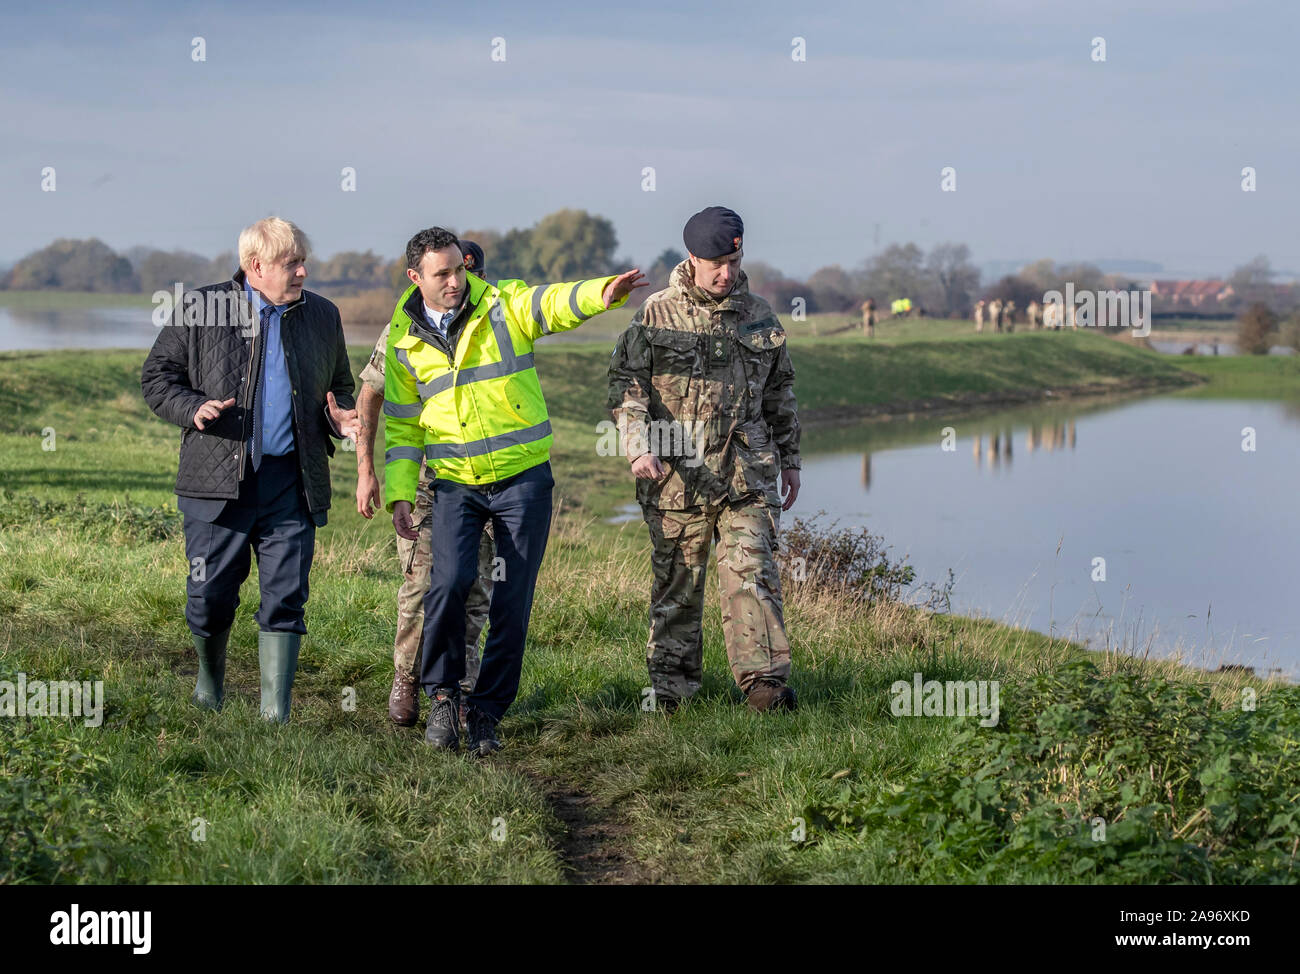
(1251, 376)
(70, 300)
(1191, 785)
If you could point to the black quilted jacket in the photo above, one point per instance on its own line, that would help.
(209, 351)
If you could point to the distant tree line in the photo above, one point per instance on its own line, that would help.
(944, 282)
(565, 245)
(573, 244)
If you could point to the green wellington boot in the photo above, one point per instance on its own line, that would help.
(209, 688)
(277, 655)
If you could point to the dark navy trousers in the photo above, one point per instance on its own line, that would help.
(270, 520)
(520, 510)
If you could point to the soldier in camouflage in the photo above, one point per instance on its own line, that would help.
(702, 389)
(414, 556)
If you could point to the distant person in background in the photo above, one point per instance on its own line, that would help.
(979, 316)
(869, 318)
(995, 314)
(1034, 315)
(258, 379)
(1009, 315)
(415, 556)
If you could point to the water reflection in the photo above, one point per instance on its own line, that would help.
(1160, 488)
(997, 449)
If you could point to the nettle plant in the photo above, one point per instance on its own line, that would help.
(1091, 777)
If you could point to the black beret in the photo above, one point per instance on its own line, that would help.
(713, 232)
(473, 256)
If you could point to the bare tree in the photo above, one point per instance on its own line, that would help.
(955, 277)
(895, 272)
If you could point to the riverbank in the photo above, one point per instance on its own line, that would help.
(590, 788)
(1237, 376)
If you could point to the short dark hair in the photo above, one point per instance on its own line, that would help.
(435, 238)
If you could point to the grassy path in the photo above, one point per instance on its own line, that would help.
(591, 789)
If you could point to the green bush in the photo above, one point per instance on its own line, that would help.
(1186, 791)
(120, 519)
(52, 826)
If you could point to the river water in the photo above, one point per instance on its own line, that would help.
(81, 328)
(1199, 536)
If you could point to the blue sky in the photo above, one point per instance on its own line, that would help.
(1056, 155)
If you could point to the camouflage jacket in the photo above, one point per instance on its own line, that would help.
(708, 387)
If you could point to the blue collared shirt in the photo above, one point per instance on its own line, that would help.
(439, 319)
(276, 405)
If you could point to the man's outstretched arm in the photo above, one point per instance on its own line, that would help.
(547, 308)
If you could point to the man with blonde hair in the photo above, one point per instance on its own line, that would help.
(256, 374)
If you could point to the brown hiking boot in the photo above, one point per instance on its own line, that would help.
(770, 695)
(404, 701)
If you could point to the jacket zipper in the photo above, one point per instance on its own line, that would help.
(422, 330)
(249, 393)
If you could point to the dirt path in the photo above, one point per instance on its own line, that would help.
(595, 848)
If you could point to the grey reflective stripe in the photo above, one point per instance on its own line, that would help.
(426, 390)
(402, 410)
(477, 373)
(477, 448)
(406, 361)
(573, 304)
(501, 332)
(537, 308)
(495, 370)
(402, 453)
(510, 362)
(431, 389)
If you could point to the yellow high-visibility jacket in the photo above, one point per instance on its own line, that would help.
(476, 413)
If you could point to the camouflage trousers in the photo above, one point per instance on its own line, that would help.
(749, 583)
(415, 558)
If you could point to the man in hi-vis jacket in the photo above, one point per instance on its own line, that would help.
(461, 393)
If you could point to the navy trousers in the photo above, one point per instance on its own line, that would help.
(269, 519)
(520, 510)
